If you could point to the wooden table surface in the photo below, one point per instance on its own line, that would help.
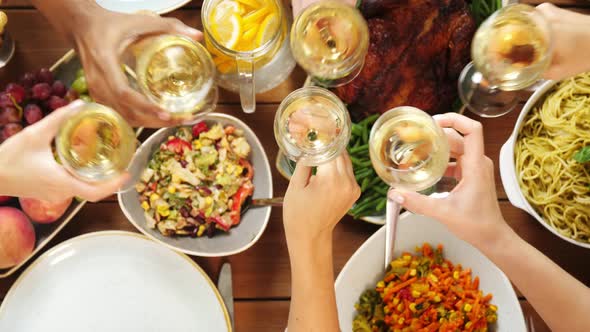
(261, 274)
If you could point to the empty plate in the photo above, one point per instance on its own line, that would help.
(132, 6)
(113, 281)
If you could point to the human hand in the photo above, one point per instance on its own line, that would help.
(471, 209)
(570, 36)
(314, 204)
(28, 167)
(101, 43)
(299, 5)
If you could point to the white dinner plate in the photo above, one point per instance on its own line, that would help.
(113, 282)
(132, 6)
(365, 268)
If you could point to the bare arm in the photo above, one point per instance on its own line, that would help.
(471, 211)
(310, 213)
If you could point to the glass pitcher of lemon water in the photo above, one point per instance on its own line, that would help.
(249, 42)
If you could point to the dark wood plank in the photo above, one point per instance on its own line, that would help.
(261, 316)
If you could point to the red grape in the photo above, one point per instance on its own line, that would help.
(45, 75)
(10, 129)
(56, 102)
(16, 91)
(33, 113)
(41, 91)
(71, 95)
(9, 115)
(5, 100)
(27, 80)
(59, 89)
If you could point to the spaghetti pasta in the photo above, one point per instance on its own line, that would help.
(555, 184)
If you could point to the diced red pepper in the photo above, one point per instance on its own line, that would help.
(152, 186)
(221, 223)
(178, 145)
(248, 167)
(239, 198)
(199, 128)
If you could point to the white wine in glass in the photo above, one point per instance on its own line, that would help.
(330, 40)
(511, 50)
(177, 74)
(95, 144)
(312, 126)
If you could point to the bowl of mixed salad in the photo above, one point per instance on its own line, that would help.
(191, 185)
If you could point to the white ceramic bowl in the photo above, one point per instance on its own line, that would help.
(508, 168)
(365, 268)
(132, 6)
(240, 237)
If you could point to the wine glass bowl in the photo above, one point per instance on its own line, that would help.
(510, 50)
(408, 149)
(329, 40)
(312, 126)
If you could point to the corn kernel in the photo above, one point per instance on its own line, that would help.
(415, 293)
(468, 325)
(171, 189)
(400, 321)
(395, 301)
(400, 307)
(433, 277)
(208, 200)
(175, 178)
(407, 257)
(145, 205)
(456, 275)
(413, 307)
(386, 309)
(201, 230)
(171, 138)
(493, 308)
(431, 294)
(381, 284)
(197, 144)
(467, 307)
(154, 197)
(436, 298)
(413, 272)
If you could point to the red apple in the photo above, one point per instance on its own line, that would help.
(42, 211)
(17, 237)
(5, 199)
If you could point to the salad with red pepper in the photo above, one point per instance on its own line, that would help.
(197, 182)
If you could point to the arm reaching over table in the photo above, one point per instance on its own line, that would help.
(472, 212)
(571, 46)
(101, 37)
(28, 167)
(313, 206)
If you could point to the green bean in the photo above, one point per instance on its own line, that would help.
(365, 184)
(356, 130)
(365, 136)
(359, 149)
(369, 120)
(375, 181)
(381, 204)
(381, 190)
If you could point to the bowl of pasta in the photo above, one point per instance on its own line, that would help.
(544, 162)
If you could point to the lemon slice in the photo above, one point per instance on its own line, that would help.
(268, 29)
(250, 3)
(228, 31)
(224, 9)
(256, 16)
(250, 33)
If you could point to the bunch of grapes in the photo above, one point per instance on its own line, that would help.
(36, 95)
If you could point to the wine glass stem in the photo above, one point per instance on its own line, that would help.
(391, 216)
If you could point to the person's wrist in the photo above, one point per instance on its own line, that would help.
(498, 240)
(305, 247)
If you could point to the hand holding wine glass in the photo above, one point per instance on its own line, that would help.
(28, 167)
(471, 209)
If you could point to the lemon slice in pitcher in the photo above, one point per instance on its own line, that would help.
(228, 30)
(268, 29)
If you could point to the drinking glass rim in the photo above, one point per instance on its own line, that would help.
(360, 52)
(311, 91)
(378, 124)
(262, 49)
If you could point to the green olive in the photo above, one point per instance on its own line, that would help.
(80, 85)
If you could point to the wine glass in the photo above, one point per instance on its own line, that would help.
(95, 144)
(510, 51)
(330, 39)
(408, 151)
(177, 74)
(312, 126)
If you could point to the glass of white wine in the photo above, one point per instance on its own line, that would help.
(510, 51)
(312, 126)
(408, 151)
(177, 74)
(95, 144)
(330, 39)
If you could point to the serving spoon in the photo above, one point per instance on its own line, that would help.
(260, 202)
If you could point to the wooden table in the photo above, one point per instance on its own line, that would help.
(261, 274)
